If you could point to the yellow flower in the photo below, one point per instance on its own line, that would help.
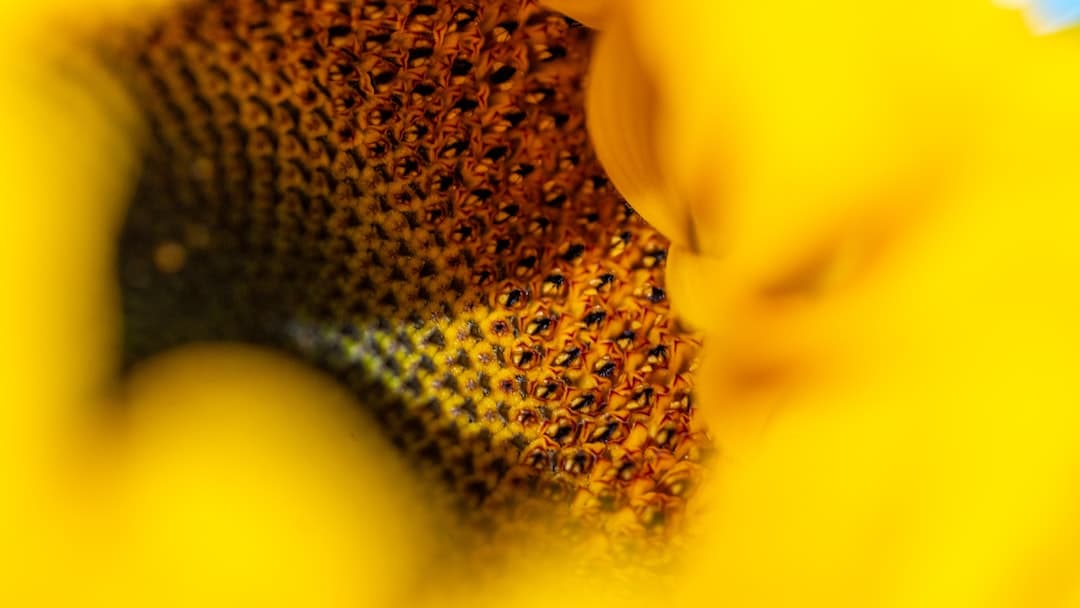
(873, 211)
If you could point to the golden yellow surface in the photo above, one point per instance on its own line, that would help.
(912, 443)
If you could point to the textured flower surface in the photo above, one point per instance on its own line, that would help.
(871, 211)
(404, 194)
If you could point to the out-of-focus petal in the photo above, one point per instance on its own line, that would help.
(923, 452)
(252, 477)
(879, 258)
(220, 475)
(766, 134)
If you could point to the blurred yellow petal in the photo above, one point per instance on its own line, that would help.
(877, 201)
(66, 168)
(262, 481)
(218, 475)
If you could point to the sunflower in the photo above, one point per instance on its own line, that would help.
(793, 324)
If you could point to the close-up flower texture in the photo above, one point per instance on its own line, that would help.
(526, 303)
(405, 196)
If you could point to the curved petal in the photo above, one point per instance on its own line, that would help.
(218, 475)
(589, 12)
(883, 314)
(621, 113)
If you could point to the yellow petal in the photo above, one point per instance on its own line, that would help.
(887, 365)
(589, 12)
(621, 114)
(220, 475)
